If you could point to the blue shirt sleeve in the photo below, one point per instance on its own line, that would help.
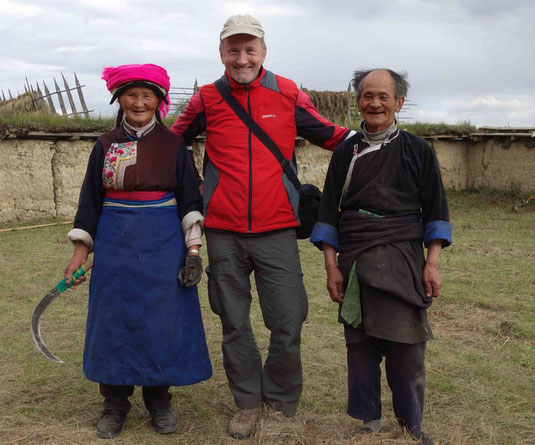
(324, 233)
(437, 230)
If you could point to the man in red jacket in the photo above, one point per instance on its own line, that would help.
(250, 210)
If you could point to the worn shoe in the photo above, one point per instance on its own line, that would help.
(370, 426)
(292, 425)
(164, 421)
(243, 423)
(110, 424)
(423, 439)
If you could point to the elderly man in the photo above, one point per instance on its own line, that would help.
(250, 218)
(383, 196)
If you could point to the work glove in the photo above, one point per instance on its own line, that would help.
(191, 272)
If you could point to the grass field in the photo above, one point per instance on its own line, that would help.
(480, 367)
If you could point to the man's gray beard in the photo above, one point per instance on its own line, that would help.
(243, 81)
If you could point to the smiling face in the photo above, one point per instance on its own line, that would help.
(138, 105)
(378, 102)
(243, 56)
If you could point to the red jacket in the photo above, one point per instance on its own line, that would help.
(245, 189)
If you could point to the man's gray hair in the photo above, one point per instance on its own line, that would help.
(401, 86)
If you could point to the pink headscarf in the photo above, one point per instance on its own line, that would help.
(117, 76)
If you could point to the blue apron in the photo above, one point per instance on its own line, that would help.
(143, 327)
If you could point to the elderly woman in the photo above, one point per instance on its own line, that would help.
(139, 210)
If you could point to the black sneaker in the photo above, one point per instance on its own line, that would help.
(110, 424)
(164, 421)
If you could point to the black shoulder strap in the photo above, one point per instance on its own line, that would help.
(225, 92)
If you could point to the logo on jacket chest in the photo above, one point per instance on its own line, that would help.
(268, 116)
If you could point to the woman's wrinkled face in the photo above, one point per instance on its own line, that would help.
(138, 105)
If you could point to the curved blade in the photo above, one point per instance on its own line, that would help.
(44, 303)
(36, 325)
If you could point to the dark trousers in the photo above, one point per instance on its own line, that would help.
(405, 373)
(273, 257)
(116, 397)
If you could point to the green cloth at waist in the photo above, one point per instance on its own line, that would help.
(351, 311)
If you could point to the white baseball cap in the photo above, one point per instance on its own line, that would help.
(241, 24)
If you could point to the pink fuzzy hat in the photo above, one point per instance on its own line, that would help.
(122, 75)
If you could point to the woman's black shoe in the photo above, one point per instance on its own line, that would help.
(164, 421)
(110, 424)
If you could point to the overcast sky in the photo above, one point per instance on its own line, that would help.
(466, 59)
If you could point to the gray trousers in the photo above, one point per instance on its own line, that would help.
(274, 259)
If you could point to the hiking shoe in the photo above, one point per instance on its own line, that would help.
(110, 424)
(292, 425)
(164, 421)
(243, 423)
(423, 439)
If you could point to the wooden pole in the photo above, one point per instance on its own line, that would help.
(49, 99)
(60, 98)
(69, 96)
(33, 94)
(30, 91)
(28, 85)
(81, 97)
(40, 99)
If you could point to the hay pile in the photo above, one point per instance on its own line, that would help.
(22, 104)
(332, 105)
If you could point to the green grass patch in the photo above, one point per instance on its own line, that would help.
(480, 367)
(439, 128)
(430, 128)
(22, 123)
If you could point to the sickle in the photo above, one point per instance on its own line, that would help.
(44, 303)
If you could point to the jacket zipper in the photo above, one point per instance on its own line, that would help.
(250, 215)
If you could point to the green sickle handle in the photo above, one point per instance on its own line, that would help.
(80, 272)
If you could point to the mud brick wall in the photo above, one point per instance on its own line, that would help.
(41, 178)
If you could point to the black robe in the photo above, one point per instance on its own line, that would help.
(402, 177)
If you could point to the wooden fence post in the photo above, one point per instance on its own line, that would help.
(28, 89)
(69, 95)
(60, 98)
(81, 97)
(49, 99)
(40, 99)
